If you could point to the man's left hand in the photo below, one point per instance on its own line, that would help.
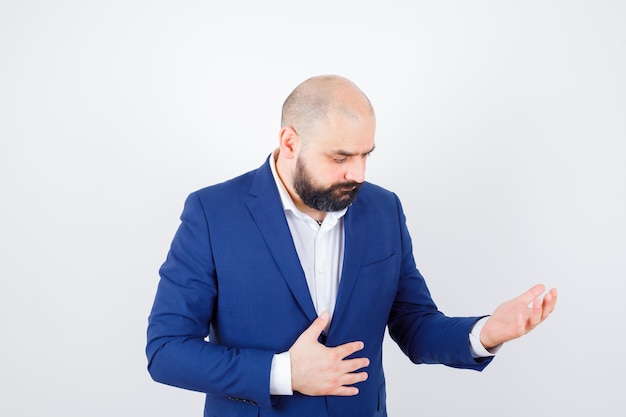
(518, 316)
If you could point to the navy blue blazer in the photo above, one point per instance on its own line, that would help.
(232, 293)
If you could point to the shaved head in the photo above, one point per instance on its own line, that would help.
(311, 102)
(327, 131)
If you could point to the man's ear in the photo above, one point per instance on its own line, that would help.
(289, 142)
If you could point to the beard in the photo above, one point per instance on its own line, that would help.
(334, 198)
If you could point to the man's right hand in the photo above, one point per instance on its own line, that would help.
(320, 370)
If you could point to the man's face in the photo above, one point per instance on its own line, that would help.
(335, 197)
(331, 168)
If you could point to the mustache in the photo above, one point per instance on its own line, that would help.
(349, 184)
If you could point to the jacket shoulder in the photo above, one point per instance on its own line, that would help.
(372, 194)
(238, 187)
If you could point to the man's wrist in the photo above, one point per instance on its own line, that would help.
(280, 374)
(476, 347)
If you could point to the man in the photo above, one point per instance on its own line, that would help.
(280, 283)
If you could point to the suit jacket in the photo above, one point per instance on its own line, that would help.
(232, 293)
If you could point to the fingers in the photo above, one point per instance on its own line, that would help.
(317, 369)
(532, 293)
(549, 303)
(535, 314)
(341, 351)
(350, 379)
(348, 349)
(344, 384)
(518, 316)
(541, 309)
(349, 366)
(345, 391)
(346, 388)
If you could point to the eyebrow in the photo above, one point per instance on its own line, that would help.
(346, 153)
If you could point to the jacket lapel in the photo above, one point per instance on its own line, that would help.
(354, 249)
(267, 211)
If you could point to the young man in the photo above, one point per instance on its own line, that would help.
(280, 283)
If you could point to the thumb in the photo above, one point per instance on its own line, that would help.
(532, 293)
(318, 325)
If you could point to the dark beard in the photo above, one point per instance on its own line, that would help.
(332, 198)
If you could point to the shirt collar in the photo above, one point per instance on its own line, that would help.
(332, 217)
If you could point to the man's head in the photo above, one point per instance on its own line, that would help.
(327, 131)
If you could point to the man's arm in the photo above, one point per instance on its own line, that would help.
(183, 309)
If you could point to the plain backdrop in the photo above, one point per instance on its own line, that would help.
(501, 126)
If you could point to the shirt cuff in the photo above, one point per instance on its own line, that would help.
(280, 374)
(476, 347)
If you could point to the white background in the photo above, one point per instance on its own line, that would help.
(501, 125)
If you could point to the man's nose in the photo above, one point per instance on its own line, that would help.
(356, 171)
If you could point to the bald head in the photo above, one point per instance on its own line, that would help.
(311, 102)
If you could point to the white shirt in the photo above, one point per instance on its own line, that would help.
(320, 250)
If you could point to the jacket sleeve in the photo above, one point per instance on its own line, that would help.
(424, 333)
(179, 324)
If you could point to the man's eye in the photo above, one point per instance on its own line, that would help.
(340, 160)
